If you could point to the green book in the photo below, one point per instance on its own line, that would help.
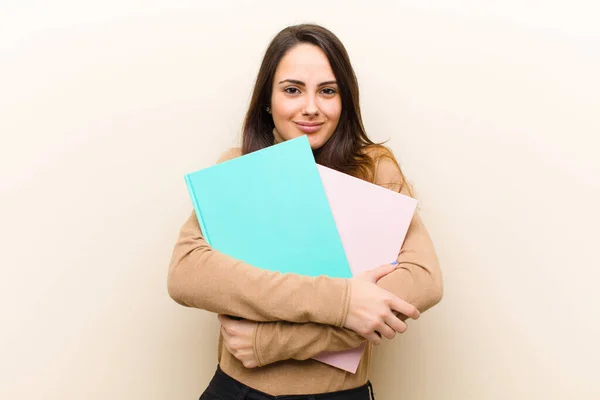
(269, 209)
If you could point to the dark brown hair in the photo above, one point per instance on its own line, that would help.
(349, 149)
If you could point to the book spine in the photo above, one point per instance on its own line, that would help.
(201, 222)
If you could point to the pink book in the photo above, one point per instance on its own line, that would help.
(372, 222)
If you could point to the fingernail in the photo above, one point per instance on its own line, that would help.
(394, 263)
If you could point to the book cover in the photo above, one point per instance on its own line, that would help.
(269, 209)
(372, 222)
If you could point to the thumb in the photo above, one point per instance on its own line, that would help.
(377, 273)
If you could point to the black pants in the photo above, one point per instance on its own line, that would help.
(224, 387)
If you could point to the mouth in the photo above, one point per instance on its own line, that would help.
(309, 127)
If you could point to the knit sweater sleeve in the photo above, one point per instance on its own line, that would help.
(204, 278)
(417, 280)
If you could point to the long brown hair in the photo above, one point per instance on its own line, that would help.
(349, 149)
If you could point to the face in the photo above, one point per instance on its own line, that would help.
(305, 99)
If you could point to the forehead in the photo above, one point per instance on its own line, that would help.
(305, 62)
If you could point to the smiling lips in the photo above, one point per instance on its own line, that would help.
(309, 127)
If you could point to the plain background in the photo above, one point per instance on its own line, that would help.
(491, 107)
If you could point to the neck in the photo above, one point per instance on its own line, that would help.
(279, 139)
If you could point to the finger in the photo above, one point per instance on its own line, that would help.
(231, 326)
(377, 273)
(225, 334)
(229, 349)
(386, 331)
(396, 324)
(405, 308)
(223, 319)
(400, 316)
(226, 340)
(374, 338)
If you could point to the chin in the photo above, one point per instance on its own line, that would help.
(315, 142)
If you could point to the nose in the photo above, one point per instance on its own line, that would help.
(311, 107)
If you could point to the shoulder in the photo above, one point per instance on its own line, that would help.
(383, 161)
(230, 154)
(387, 171)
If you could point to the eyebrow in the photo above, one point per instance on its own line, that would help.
(300, 83)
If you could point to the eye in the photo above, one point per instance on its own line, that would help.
(291, 90)
(329, 91)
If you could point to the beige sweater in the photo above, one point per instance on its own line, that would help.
(299, 316)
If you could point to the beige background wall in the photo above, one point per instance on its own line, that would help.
(491, 107)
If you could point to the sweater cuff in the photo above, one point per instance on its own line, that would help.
(255, 344)
(345, 304)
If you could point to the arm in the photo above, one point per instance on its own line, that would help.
(417, 279)
(277, 341)
(239, 338)
(204, 278)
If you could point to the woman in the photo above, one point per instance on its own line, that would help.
(305, 86)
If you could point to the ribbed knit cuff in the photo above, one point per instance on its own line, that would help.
(255, 344)
(345, 304)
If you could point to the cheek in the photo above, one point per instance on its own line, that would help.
(332, 109)
(283, 111)
(283, 108)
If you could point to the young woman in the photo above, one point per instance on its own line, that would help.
(305, 86)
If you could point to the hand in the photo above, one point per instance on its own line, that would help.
(238, 335)
(374, 311)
